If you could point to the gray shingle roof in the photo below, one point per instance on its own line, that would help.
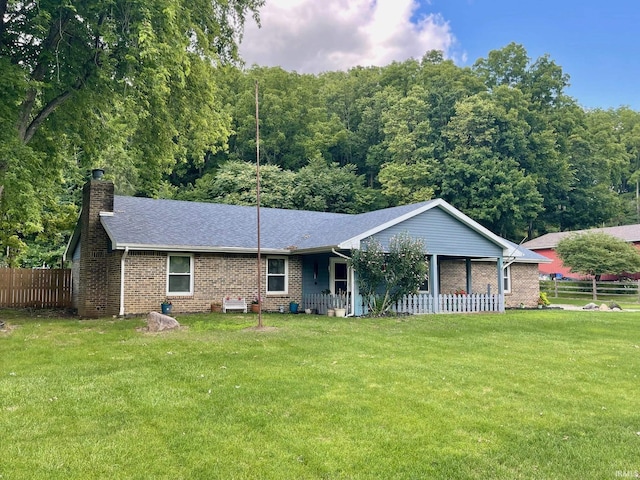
(144, 223)
(172, 224)
(628, 233)
(527, 255)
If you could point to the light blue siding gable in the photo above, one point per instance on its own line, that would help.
(443, 235)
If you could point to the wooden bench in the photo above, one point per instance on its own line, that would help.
(229, 303)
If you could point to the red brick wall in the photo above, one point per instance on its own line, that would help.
(97, 265)
(525, 287)
(98, 276)
(215, 277)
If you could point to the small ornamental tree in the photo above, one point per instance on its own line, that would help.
(384, 278)
(597, 254)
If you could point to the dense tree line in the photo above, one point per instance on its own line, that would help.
(155, 94)
(500, 140)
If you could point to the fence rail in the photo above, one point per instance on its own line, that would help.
(450, 303)
(25, 288)
(414, 304)
(586, 289)
(322, 302)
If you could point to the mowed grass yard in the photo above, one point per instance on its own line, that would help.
(528, 394)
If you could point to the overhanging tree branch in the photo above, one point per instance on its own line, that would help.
(38, 75)
(43, 114)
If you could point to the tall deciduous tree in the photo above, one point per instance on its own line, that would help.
(294, 123)
(54, 50)
(408, 174)
(481, 174)
(598, 254)
(92, 79)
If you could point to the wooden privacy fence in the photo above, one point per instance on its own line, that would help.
(589, 289)
(25, 288)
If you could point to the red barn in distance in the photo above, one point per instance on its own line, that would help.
(546, 245)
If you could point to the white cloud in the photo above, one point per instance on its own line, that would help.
(311, 36)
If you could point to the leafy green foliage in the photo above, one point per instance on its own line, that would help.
(327, 187)
(598, 253)
(482, 175)
(127, 86)
(385, 277)
(318, 186)
(543, 299)
(236, 183)
(149, 91)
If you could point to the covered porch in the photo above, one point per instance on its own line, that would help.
(453, 285)
(421, 303)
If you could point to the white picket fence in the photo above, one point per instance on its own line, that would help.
(414, 304)
(450, 303)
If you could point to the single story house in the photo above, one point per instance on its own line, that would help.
(546, 245)
(130, 254)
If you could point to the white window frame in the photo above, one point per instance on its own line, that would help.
(191, 275)
(286, 276)
(506, 279)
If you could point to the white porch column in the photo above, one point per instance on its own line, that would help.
(500, 284)
(356, 302)
(434, 285)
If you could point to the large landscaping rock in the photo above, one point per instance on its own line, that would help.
(157, 322)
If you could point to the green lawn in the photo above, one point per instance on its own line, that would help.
(528, 394)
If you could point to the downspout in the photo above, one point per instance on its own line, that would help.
(353, 297)
(122, 259)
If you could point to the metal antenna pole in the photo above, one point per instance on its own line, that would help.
(258, 210)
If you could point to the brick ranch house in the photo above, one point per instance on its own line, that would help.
(546, 245)
(130, 254)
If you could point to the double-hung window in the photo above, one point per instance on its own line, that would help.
(506, 279)
(277, 282)
(180, 275)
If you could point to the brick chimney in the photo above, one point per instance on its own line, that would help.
(95, 255)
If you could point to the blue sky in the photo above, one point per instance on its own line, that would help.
(597, 43)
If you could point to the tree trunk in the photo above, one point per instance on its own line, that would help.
(594, 288)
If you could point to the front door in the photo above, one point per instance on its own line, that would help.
(339, 277)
